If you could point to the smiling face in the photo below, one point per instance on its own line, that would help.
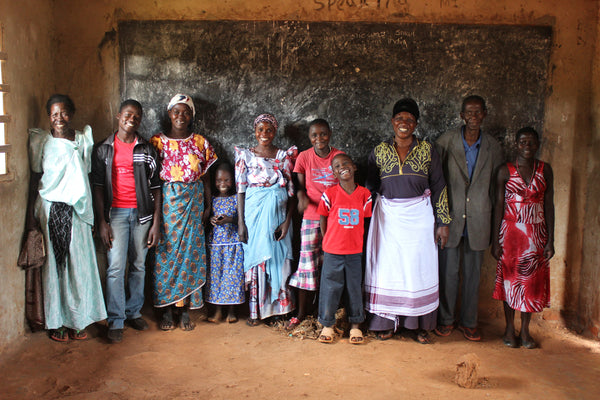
(527, 145)
(343, 168)
(60, 118)
(223, 182)
(129, 119)
(404, 124)
(181, 116)
(319, 136)
(265, 133)
(473, 115)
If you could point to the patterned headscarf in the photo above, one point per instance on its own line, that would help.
(180, 98)
(266, 118)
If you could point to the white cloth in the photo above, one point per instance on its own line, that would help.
(401, 277)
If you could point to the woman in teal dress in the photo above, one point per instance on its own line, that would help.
(60, 204)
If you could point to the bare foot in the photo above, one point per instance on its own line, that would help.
(185, 324)
(216, 317)
(510, 339)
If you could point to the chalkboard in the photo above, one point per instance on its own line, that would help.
(350, 73)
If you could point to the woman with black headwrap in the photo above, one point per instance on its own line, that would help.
(410, 218)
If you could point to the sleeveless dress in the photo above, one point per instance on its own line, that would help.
(522, 273)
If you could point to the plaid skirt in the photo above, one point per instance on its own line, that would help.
(306, 276)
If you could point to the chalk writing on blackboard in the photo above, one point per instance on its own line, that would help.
(347, 4)
(349, 73)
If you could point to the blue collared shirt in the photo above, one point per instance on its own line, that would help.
(471, 153)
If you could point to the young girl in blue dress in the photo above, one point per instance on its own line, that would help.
(226, 268)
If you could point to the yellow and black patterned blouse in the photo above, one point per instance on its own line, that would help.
(421, 170)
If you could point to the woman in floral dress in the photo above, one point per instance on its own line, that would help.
(181, 255)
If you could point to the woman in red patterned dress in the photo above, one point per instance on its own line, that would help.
(523, 237)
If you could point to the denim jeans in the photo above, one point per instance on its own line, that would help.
(129, 244)
(341, 275)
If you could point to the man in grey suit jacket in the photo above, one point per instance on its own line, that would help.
(470, 158)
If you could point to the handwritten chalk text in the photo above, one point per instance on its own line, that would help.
(347, 4)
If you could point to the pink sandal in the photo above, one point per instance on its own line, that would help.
(292, 323)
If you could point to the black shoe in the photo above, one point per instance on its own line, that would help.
(115, 335)
(138, 324)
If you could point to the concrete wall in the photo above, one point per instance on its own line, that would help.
(28, 36)
(587, 306)
(85, 56)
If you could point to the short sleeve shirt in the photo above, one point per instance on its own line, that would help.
(346, 215)
(318, 177)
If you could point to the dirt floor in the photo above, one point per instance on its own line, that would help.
(235, 361)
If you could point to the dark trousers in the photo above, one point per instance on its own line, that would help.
(341, 273)
(449, 283)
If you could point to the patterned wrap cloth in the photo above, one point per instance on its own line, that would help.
(180, 270)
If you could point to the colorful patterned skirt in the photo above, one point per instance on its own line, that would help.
(522, 273)
(180, 255)
(306, 276)
(226, 274)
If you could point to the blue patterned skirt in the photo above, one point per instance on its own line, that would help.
(180, 269)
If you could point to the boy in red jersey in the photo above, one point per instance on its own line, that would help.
(343, 209)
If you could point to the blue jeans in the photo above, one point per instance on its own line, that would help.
(341, 275)
(129, 244)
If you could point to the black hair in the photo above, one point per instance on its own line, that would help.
(320, 121)
(472, 99)
(342, 155)
(527, 129)
(131, 102)
(60, 98)
(223, 166)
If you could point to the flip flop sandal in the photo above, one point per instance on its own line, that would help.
(252, 321)
(78, 334)
(444, 330)
(423, 337)
(59, 335)
(292, 323)
(470, 333)
(356, 336)
(326, 335)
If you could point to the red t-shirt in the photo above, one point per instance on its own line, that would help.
(123, 182)
(317, 176)
(346, 215)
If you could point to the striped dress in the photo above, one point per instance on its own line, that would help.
(522, 273)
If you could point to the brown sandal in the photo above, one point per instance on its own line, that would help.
(76, 334)
(59, 335)
(326, 335)
(356, 336)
